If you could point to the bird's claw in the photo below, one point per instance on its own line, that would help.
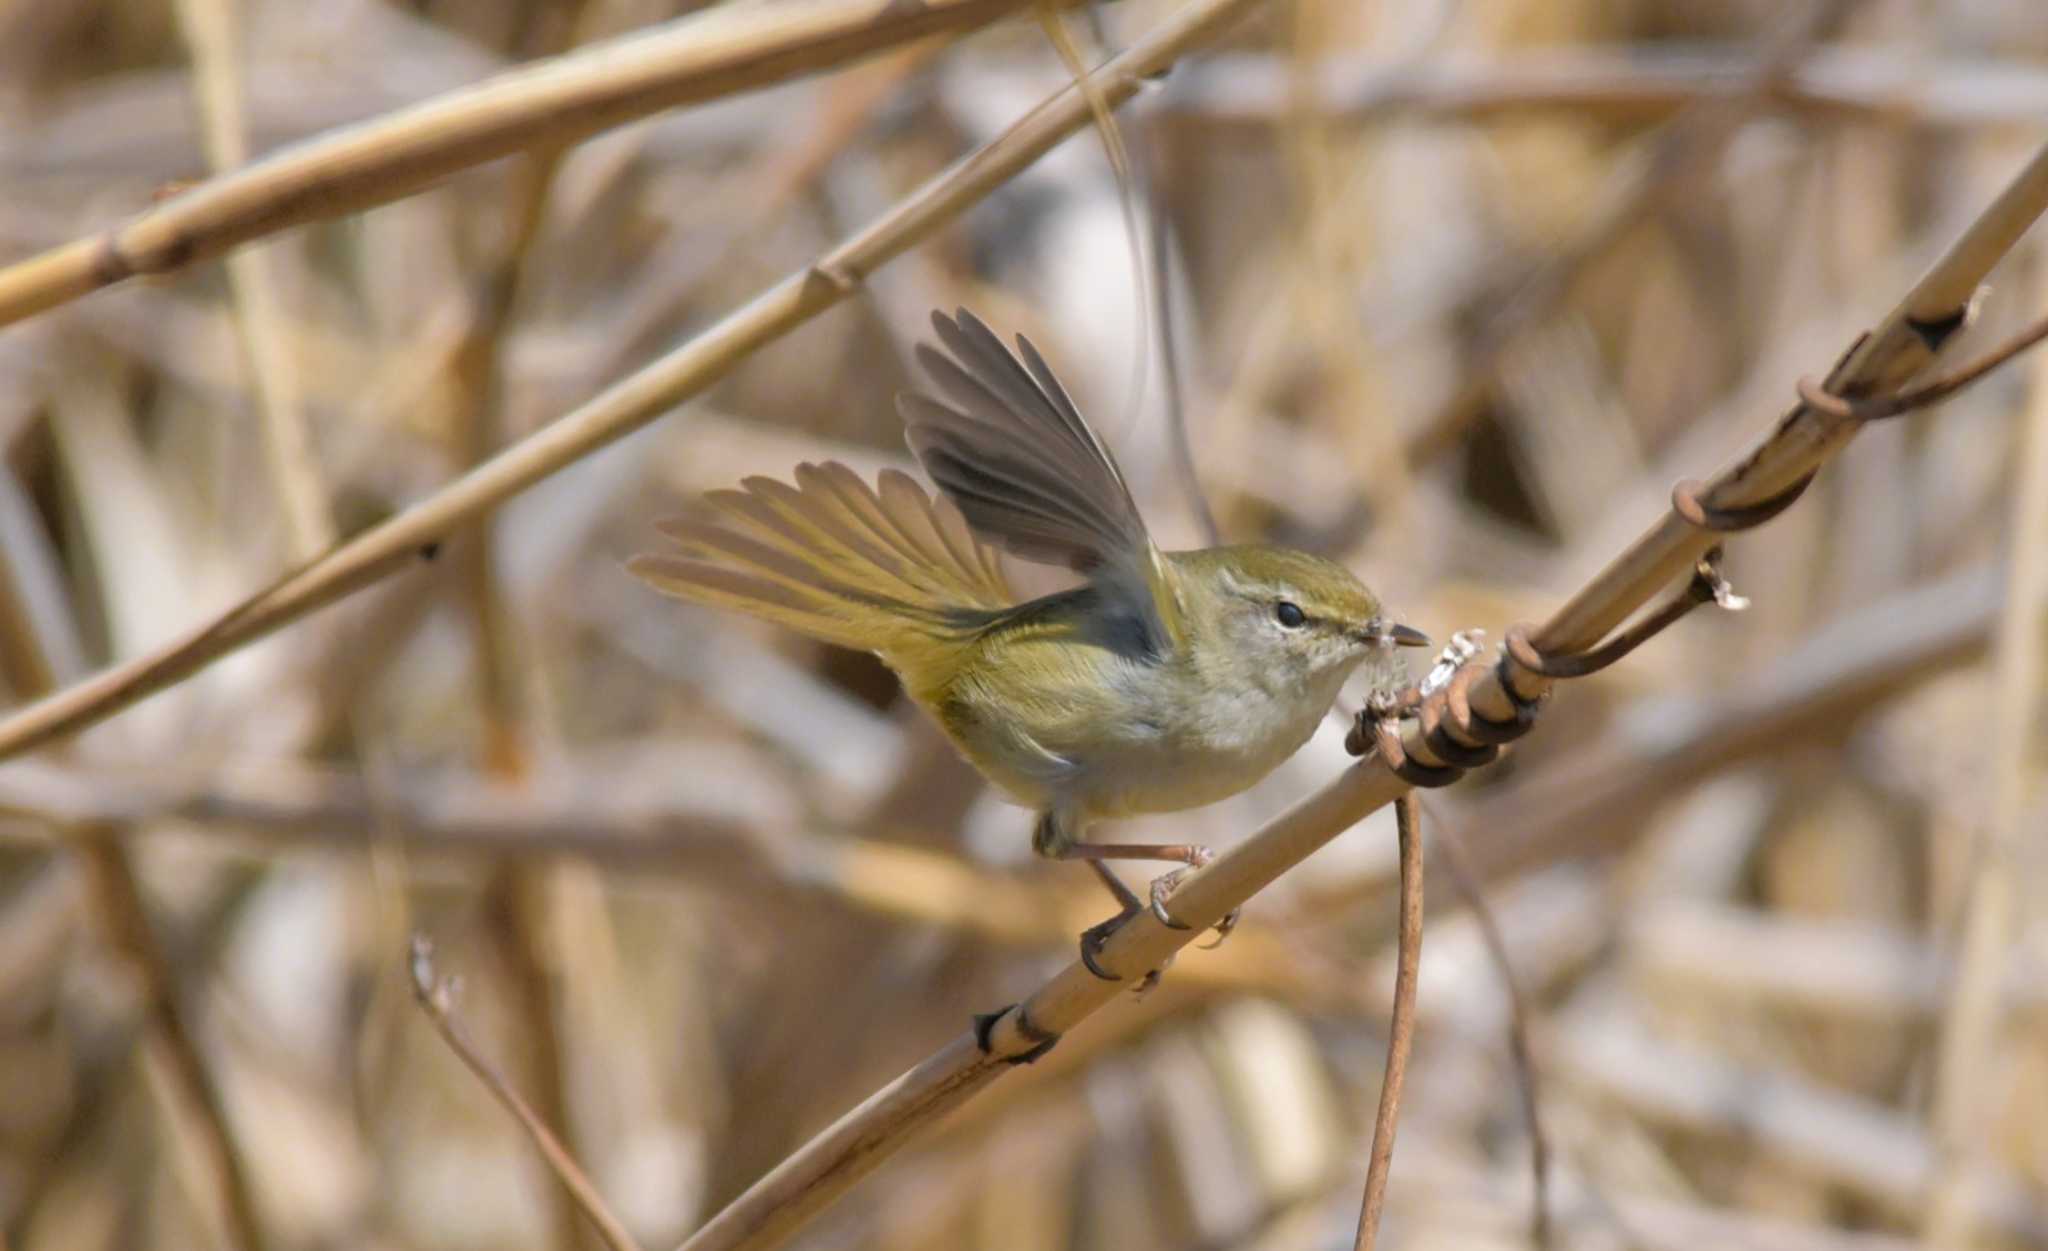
(1162, 890)
(1224, 927)
(1092, 939)
(1162, 887)
(1094, 936)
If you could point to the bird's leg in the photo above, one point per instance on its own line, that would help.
(1190, 855)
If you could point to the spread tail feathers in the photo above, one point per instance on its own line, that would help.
(892, 571)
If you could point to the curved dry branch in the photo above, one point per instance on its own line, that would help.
(623, 407)
(1802, 440)
(548, 104)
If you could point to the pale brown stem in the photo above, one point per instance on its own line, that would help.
(435, 1000)
(1401, 1029)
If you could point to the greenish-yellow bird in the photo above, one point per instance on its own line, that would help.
(1166, 680)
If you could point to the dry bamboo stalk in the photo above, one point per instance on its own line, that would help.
(547, 104)
(625, 406)
(858, 1142)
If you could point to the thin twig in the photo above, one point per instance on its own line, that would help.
(1401, 1028)
(436, 1000)
(1452, 843)
(626, 405)
(547, 104)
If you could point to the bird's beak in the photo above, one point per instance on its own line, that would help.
(1385, 633)
(1407, 636)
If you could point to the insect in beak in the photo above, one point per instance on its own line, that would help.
(1387, 634)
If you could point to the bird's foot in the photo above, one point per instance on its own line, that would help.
(1094, 936)
(1162, 890)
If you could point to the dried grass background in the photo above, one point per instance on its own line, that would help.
(1458, 290)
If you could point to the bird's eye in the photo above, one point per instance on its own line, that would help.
(1289, 615)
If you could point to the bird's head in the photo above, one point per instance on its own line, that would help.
(1287, 610)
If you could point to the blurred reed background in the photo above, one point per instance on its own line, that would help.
(1458, 290)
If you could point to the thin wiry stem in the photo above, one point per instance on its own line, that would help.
(435, 999)
(1401, 1028)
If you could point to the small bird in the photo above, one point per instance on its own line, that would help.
(1164, 681)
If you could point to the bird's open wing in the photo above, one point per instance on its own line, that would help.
(1007, 446)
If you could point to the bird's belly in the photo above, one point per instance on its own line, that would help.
(1114, 749)
(1133, 777)
(1159, 766)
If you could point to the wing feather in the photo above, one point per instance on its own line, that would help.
(893, 570)
(1005, 443)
